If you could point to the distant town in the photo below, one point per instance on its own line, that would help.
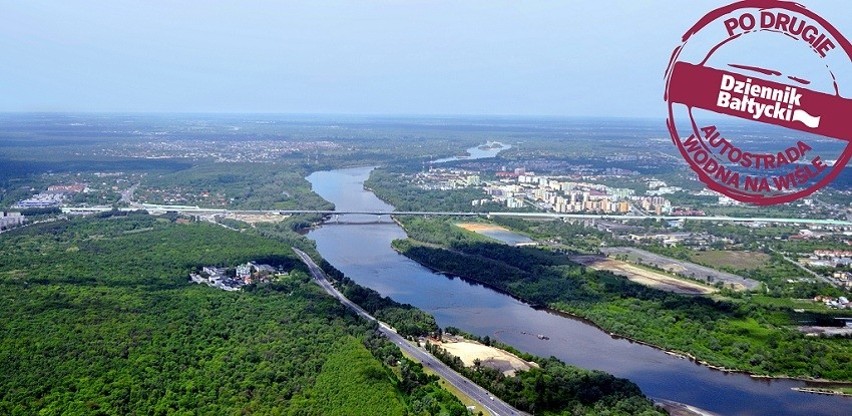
(515, 189)
(217, 151)
(520, 189)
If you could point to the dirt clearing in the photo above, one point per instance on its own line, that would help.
(470, 351)
(643, 276)
(253, 219)
(480, 227)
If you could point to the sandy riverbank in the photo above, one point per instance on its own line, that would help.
(479, 227)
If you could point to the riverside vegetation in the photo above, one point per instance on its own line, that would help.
(729, 332)
(553, 388)
(99, 318)
(111, 325)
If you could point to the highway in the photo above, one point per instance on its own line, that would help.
(194, 210)
(484, 399)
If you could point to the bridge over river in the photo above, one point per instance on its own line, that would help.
(195, 210)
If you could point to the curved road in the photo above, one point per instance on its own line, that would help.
(485, 399)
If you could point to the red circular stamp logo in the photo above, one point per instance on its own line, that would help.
(754, 101)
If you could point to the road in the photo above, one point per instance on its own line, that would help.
(806, 270)
(485, 399)
(127, 194)
(194, 210)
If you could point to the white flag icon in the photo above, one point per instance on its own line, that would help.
(806, 119)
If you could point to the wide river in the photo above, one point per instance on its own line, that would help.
(364, 253)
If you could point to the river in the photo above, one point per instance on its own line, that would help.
(364, 253)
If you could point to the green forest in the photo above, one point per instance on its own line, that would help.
(730, 332)
(111, 325)
(235, 185)
(553, 388)
(100, 318)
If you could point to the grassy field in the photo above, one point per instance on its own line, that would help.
(740, 260)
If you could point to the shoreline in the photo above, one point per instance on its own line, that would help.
(825, 392)
(570, 315)
(681, 409)
(672, 352)
(469, 280)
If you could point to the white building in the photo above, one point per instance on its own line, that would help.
(514, 203)
(11, 219)
(244, 271)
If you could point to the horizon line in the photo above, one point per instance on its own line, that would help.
(354, 115)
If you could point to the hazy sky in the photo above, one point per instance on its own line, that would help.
(573, 58)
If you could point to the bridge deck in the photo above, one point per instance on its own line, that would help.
(542, 215)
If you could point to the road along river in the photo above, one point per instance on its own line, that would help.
(484, 398)
(364, 253)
